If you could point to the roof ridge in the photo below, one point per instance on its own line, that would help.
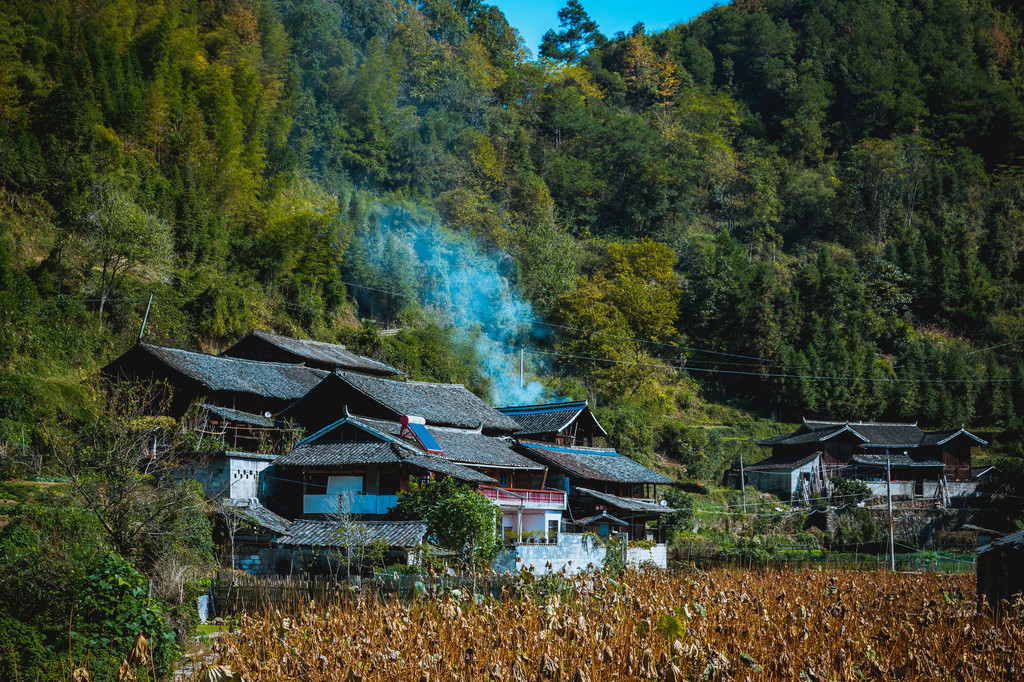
(231, 358)
(402, 382)
(268, 332)
(832, 422)
(537, 406)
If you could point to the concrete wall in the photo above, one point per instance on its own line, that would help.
(900, 489)
(954, 488)
(227, 477)
(657, 555)
(245, 477)
(779, 481)
(574, 553)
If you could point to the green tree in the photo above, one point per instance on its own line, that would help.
(579, 33)
(119, 234)
(458, 518)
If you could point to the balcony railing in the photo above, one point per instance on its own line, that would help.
(529, 499)
(353, 504)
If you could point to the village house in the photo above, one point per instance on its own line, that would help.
(566, 423)
(921, 464)
(250, 387)
(370, 435)
(356, 467)
(266, 346)
(608, 492)
(362, 463)
(1000, 579)
(448, 405)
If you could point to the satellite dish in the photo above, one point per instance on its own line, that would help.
(664, 503)
(267, 414)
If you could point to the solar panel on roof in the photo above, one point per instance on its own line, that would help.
(424, 437)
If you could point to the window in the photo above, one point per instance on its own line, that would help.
(503, 479)
(552, 530)
(336, 485)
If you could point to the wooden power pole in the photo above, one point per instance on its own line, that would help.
(888, 489)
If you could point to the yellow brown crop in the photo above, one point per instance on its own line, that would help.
(714, 625)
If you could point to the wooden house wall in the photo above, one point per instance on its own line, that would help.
(184, 390)
(999, 576)
(329, 406)
(956, 455)
(838, 452)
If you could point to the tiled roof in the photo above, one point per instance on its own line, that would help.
(813, 436)
(603, 516)
(943, 437)
(626, 503)
(598, 464)
(783, 461)
(897, 460)
(228, 414)
(871, 434)
(439, 404)
(255, 456)
(306, 533)
(464, 446)
(256, 513)
(880, 434)
(380, 447)
(440, 465)
(231, 454)
(1012, 541)
(330, 354)
(218, 373)
(341, 453)
(547, 418)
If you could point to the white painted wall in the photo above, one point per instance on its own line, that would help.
(573, 553)
(533, 520)
(899, 488)
(779, 481)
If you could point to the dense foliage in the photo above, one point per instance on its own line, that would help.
(815, 207)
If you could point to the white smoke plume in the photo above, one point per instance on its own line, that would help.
(450, 273)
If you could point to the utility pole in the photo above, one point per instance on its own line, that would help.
(146, 318)
(743, 485)
(888, 489)
(521, 352)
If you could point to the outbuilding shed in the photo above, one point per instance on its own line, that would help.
(1001, 571)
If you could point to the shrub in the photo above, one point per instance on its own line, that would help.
(114, 610)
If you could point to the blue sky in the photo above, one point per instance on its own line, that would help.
(534, 17)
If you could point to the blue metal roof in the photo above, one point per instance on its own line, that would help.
(547, 407)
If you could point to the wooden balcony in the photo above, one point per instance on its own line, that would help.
(518, 498)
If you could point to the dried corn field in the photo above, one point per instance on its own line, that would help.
(715, 625)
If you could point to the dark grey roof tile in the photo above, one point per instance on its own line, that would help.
(440, 404)
(599, 464)
(308, 533)
(464, 446)
(329, 354)
(625, 503)
(232, 375)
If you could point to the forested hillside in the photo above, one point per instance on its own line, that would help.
(813, 206)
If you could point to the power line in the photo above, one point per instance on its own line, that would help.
(1000, 345)
(774, 375)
